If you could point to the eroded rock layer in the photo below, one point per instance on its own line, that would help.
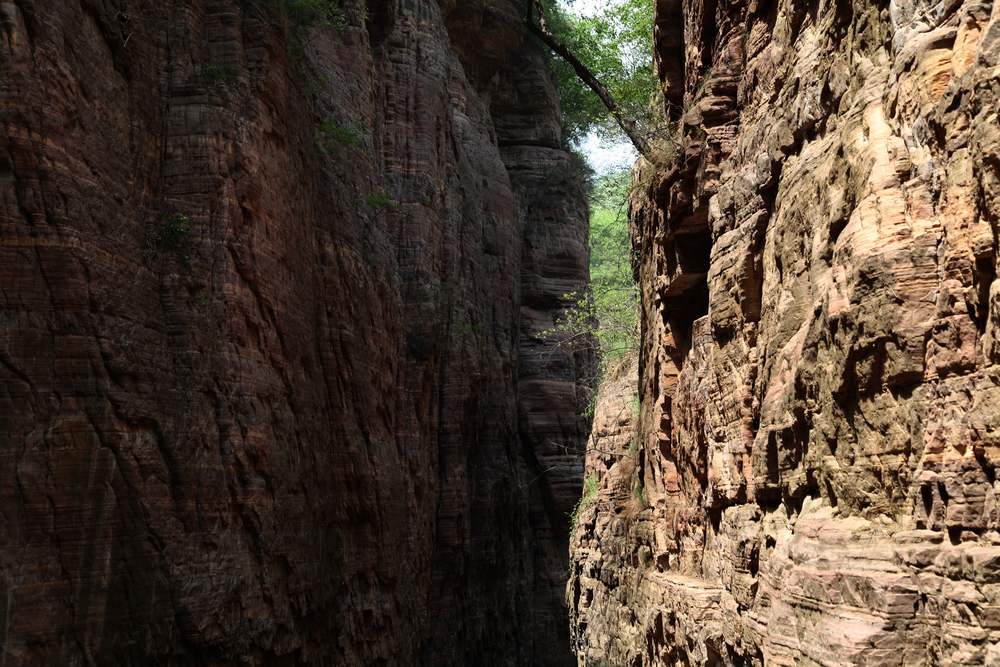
(813, 474)
(263, 281)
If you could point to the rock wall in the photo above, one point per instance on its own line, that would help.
(814, 480)
(264, 392)
(553, 380)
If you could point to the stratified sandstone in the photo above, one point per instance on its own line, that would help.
(820, 421)
(264, 392)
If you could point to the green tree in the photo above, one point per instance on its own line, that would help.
(605, 76)
(614, 292)
(604, 68)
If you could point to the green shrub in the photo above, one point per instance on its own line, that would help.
(173, 235)
(640, 494)
(379, 200)
(217, 75)
(587, 498)
(331, 134)
(605, 318)
(308, 13)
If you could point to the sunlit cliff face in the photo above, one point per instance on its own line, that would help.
(811, 476)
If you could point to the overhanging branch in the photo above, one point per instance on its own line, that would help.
(543, 33)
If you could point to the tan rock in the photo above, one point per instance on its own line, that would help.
(820, 417)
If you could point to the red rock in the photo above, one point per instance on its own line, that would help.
(263, 291)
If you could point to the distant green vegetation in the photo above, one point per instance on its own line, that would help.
(615, 295)
(605, 318)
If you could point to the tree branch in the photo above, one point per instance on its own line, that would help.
(543, 33)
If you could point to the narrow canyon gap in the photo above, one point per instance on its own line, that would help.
(808, 476)
(271, 385)
(274, 389)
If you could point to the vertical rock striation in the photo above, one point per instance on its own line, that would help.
(820, 421)
(268, 387)
(553, 382)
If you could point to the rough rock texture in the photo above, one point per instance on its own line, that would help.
(552, 388)
(260, 336)
(820, 420)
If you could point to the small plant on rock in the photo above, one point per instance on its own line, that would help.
(587, 498)
(639, 492)
(309, 13)
(379, 200)
(217, 75)
(173, 236)
(330, 134)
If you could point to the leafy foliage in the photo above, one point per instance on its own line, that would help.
(639, 493)
(616, 45)
(606, 317)
(615, 294)
(172, 235)
(379, 200)
(331, 134)
(217, 75)
(324, 13)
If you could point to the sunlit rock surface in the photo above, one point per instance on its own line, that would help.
(820, 390)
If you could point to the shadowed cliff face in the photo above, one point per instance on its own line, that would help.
(269, 392)
(819, 431)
